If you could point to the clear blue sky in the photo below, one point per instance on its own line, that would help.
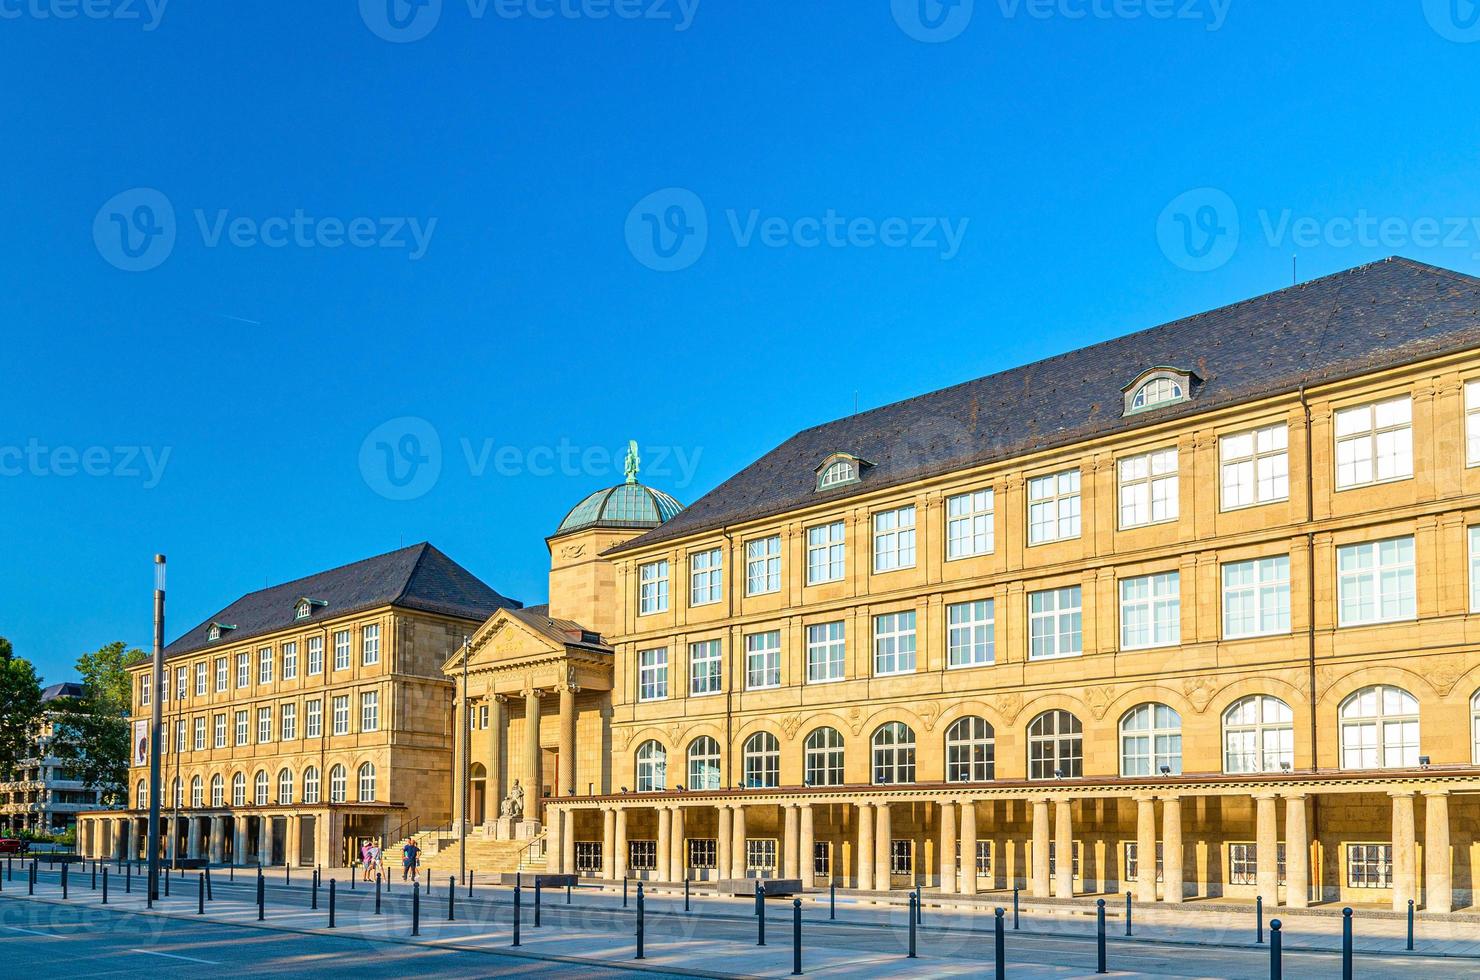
(1059, 150)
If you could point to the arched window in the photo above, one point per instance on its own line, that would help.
(367, 783)
(218, 790)
(177, 792)
(704, 763)
(141, 796)
(197, 792)
(311, 785)
(824, 758)
(1379, 729)
(338, 779)
(894, 754)
(260, 788)
(970, 751)
(285, 787)
(1258, 735)
(652, 767)
(1150, 738)
(1055, 746)
(239, 789)
(1475, 726)
(1155, 392)
(762, 758)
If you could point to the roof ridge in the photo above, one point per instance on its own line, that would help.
(330, 571)
(425, 546)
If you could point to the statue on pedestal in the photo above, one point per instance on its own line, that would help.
(513, 804)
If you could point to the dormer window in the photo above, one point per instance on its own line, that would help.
(305, 607)
(214, 631)
(839, 470)
(1157, 387)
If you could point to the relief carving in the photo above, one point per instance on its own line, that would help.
(789, 726)
(1009, 706)
(1200, 691)
(1098, 699)
(572, 551)
(1443, 673)
(929, 712)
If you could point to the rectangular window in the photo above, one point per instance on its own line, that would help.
(763, 565)
(1151, 611)
(164, 687)
(290, 722)
(290, 661)
(588, 857)
(341, 715)
(652, 588)
(1374, 443)
(370, 645)
(1369, 865)
(1053, 864)
(894, 539)
(825, 553)
(826, 651)
(179, 736)
(341, 649)
(200, 734)
(760, 855)
(901, 857)
(822, 858)
(222, 674)
(704, 668)
(1256, 597)
(182, 677)
(313, 721)
(144, 680)
(706, 577)
(243, 669)
(315, 655)
(894, 643)
(652, 674)
(983, 858)
(1475, 570)
(264, 725)
(370, 711)
(970, 525)
(1148, 488)
(971, 633)
(703, 852)
(1255, 467)
(264, 665)
(1053, 507)
(1055, 623)
(642, 855)
(1243, 864)
(220, 731)
(241, 728)
(202, 672)
(763, 660)
(1375, 582)
(1472, 423)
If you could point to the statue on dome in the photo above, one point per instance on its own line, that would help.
(633, 461)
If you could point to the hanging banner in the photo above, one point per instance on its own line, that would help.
(141, 743)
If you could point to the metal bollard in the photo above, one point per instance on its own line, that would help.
(470, 883)
(1346, 943)
(760, 915)
(832, 900)
(210, 891)
(536, 901)
(105, 884)
(1410, 925)
(128, 878)
(640, 923)
(331, 897)
(1001, 946)
(1015, 890)
(624, 891)
(1276, 968)
(913, 902)
(287, 879)
(313, 892)
(567, 892)
(759, 897)
(1127, 913)
(919, 906)
(200, 896)
(261, 897)
(416, 908)
(1258, 918)
(64, 882)
(377, 893)
(796, 937)
(685, 893)
(516, 914)
(1100, 936)
(95, 876)
(166, 876)
(31, 879)
(451, 899)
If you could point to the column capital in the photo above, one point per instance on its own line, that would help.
(1399, 794)
(1294, 797)
(1266, 795)
(1435, 792)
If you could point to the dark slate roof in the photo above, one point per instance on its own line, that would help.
(66, 689)
(1383, 314)
(419, 577)
(565, 631)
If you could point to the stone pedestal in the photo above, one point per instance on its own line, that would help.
(527, 829)
(503, 828)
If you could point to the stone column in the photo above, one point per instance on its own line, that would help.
(532, 757)
(568, 845)
(1040, 849)
(264, 840)
(883, 837)
(555, 839)
(1297, 853)
(723, 840)
(661, 870)
(1171, 848)
(1405, 865)
(678, 862)
(948, 843)
(1063, 884)
(620, 857)
(493, 790)
(167, 831)
(567, 774)
(608, 843)
(968, 847)
(459, 760)
(808, 847)
(120, 839)
(791, 842)
(1438, 875)
(193, 840)
(239, 842)
(1145, 849)
(737, 844)
(218, 840)
(865, 862)
(1266, 849)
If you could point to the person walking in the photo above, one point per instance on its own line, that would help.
(372, 867)
(410, 859)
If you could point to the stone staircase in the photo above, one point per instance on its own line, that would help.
(440, 854)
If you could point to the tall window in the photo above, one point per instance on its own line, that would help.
(763, 565)
(200, 734)
(706, 577)
(826, 649)
(1148, 488)
(313, 722)
(652, 767)
(264, 665)
(823, 758)
(1150, 611)
(218, 791)
(763, 660)
(1472, 423)
(1055, 623)
(970, 528)
(1375, 582)
(1256, 597)
(243, 669)
(1055, 746)
(181, 679)
(290, 661)
(1255, 467)
(1369, 865)
(1379, 729)
(1374, 443)
(239, 789)
(825, 553)
(241, 728)
(221, 675)
(1475, 568)
(285, 787)
(264, 724)
(370, 644)
(762, 760)
(341, 649)
(201, 680)
(652, 587)
(894, 643)
(144, 680)
(705, 673)
(894, 754)
(1258, 735)
(970, 751)
(894, 539)
(1053, 507)
(315, 655)
(338, 784)
(704, 771)
(367, 783)
(261, 787)
(311, 785)
(1475, 728)
(970, 633)
(1150, 738)
(219, 728)
(652, 674)
(370, 711)
(197, 793)
(289, 724)
(341, 715)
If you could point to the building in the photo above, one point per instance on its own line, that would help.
(46, 798)
(306, 717)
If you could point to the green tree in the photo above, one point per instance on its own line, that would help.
(20, 707)
(92, 733)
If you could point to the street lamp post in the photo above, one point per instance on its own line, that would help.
(462, 854)
(156, 710)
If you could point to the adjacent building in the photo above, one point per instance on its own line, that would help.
(46, 797)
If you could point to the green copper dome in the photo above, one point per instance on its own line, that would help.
(627, 505)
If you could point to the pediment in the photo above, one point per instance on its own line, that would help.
(505, 639)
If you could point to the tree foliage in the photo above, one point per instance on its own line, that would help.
(20, 707)
(92, 733)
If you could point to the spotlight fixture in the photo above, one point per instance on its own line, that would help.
(624, 789)
(1284, 767)
(1166, 770)
(679, 787)
(1058, 774)
(1423, 762)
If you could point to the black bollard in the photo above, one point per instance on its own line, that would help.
(1258, 918)
(313, 892)
(1127, 913)
(261, 897)
(128, 878)
(759, 897)
(1100, 936)
(1015, 890)
(1346, 943)
(624, 891)
(470, 884)
(796, 937)
(331, 897)
(516, 914)
(200, 896)
(760, 915)
(416, 908)
(377, 893)
(1276, 968)
(919, 906)
(166, 877)
(913, 902)
(210, 891)
(451, 899)
(1001, 943)
(95, 876)
(567, 893)
(31, 879)
(685, 893)
(1410, 925)
(641, 915)
(832, 900)
(64, 882)
(287, 880)
(105, 885)
(536, 901)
